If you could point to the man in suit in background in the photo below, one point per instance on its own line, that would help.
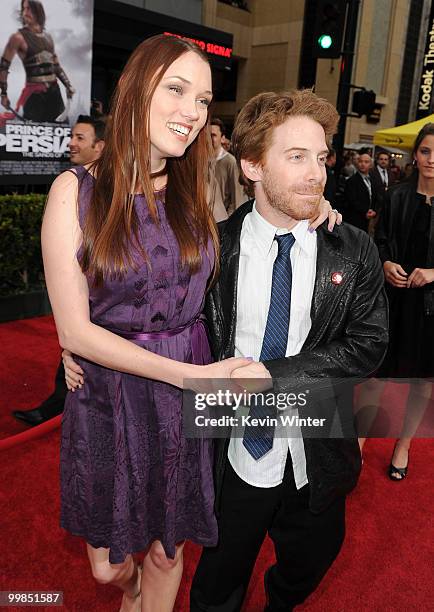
(305, 306)
(381, 176)
(360, 199)
(85, 146)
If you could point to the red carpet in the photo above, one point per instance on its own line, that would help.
(29, 355)
(386, 563)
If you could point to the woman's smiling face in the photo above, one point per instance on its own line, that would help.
(179, 107)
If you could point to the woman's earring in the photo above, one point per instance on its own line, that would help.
(414, 162)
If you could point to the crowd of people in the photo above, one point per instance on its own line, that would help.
(358, 198)
(133, 258)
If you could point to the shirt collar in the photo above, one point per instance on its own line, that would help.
(222, 153)
(264, 232)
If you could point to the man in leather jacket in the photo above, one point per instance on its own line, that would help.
(294, 491)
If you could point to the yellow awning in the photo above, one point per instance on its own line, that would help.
(401, 136)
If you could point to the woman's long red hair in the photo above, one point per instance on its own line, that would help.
(111, 225)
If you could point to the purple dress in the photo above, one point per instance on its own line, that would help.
(128, 476)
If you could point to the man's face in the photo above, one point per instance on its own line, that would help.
(27, 16)
(82, 147)
(293, 171)
(216, 137)
(364, 163)
(383, 161)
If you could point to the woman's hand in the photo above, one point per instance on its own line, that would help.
(253, 377)
(326, 212)
(224, 368)
(394, 274)
(216, 376)
(73, 373)
(420, 277)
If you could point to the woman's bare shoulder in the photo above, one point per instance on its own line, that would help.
(65, 179)
(63, 191)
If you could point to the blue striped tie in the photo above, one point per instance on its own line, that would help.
(260, 441)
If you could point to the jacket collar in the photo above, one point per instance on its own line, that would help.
(230, 232)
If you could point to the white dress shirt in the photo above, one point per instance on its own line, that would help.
(258, 250)
(222, 153)
(384, 175)
(367, 180)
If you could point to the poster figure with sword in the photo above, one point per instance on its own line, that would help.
(45, 84)
(41, 99)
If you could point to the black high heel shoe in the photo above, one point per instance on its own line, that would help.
(392, 470)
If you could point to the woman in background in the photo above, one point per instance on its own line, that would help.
(405, 239)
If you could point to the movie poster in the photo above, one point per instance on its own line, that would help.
(45, 81)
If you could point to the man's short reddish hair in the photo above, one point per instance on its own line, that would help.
(257, 119)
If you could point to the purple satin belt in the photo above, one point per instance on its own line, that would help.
(200, 350)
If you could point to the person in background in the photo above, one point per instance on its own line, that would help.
(405, 240)
(396, 170)
(216, 198)
(381, 178)
(360, 199)
(408, 170)
(330, 186)
(226, 144)
(87, 140)
(96, 109)
(226, 170)
(349, 167)
(381, 173)
(86, 145)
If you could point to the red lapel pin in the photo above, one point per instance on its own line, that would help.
(337, 278)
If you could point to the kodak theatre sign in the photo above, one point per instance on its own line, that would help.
(424, 104)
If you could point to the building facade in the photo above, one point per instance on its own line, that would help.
(268, 42)
(267, 53)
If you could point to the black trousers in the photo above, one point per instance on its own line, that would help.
(53, 405)
(306, 544)
(44, 106)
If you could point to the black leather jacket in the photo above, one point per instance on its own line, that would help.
(394, 227)
(348, 338)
